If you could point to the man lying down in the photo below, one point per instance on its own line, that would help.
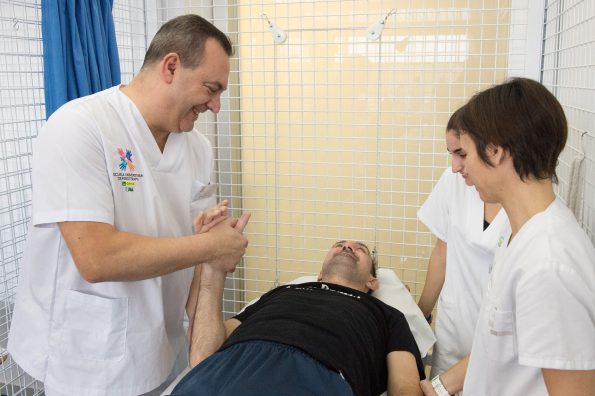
(329, 337)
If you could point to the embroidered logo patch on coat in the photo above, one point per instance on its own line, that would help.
(127, 178)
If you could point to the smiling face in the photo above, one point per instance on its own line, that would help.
(350, 261)
(453, 146)
(197, 90)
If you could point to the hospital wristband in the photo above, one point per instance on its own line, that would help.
(439, 386)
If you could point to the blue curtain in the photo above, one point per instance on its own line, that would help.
(80, 53)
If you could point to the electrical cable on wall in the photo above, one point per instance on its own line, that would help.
(375, 34)
(279, 36)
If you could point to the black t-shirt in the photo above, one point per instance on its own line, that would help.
(345, 329)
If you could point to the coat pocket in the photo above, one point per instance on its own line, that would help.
(202, 196)
(202, 190)
(94, 327)
(501, 338)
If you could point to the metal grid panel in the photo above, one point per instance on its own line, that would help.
(131, 36)
(569, 72)
(369, 133)
(22, 107)
(330, 134)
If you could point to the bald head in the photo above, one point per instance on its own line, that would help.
(350, 263)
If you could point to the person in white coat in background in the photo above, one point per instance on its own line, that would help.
(467, 231)
(536, 329)
(118, 177)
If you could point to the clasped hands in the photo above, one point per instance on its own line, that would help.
(228, 234)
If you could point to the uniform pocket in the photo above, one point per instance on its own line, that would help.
(202, 196)
(94, 327)
(201, 190)
(501, 339)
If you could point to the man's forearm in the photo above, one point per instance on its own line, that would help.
(193, 299)
(208, 330)
(102, 253)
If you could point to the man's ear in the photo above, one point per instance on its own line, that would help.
(319, 276)
(373, 283)
(169, 65)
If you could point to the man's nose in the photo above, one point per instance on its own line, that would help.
(347, 247)
(215, 104)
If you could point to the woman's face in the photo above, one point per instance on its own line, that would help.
(478, 173)
(453, 145)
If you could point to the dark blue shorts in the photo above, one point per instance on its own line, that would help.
(261, 368)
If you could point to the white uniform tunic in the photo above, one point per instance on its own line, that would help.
(96, 160)
(538, 310)
(454, 213)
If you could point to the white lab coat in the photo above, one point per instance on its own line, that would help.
(110, 338)
(454, 213)
(539, 308)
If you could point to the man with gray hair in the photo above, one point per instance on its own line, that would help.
(117, 178)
